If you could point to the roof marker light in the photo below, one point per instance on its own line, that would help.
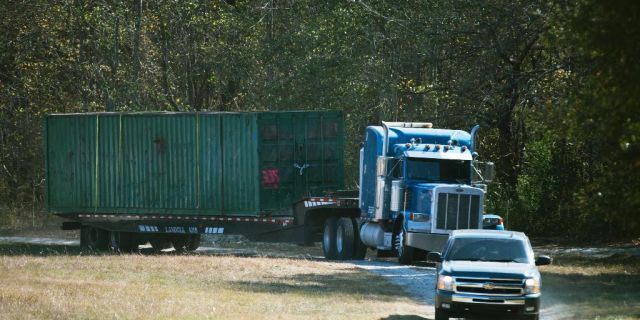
(464, 148)
(437, 147)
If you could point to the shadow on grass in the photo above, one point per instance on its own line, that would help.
(589, 296)
(353, 283)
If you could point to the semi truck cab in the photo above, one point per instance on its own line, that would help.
(417, 186)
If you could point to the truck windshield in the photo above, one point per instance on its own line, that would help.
(434, 170)
(475, 249)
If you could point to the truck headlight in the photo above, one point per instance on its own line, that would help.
(532, 285)
(446, 283)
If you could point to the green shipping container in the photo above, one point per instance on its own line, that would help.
(249, 164)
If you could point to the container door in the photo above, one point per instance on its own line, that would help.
(300, 156)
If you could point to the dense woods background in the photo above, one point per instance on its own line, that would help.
(554, 84)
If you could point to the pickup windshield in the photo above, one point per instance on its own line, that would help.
(435, 170)
(499, 250)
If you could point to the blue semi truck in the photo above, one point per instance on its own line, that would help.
(127, 179)
(417, 185)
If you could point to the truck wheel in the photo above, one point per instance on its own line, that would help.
(360, 249)
(405, 253)
(441, 314)
(329, 238)
(345, 239)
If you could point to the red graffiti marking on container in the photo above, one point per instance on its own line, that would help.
(271, 178)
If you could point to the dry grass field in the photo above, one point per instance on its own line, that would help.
(579, 287)
(39, 282)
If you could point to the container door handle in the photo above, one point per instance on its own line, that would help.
(301, 168)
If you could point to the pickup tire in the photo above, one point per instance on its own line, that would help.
(329, 238)
(345, 236)
(441, 314)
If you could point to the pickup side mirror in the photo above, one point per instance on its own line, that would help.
(543, 260)
(434, 256)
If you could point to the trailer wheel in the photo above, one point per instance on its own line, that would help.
(93, 238)
(329, 238)
(345, 239)
(124, 242)
(160, 243)
(360, 249)
(194, 242)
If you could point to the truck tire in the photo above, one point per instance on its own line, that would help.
(405, 253)
(360, 249)
(441, 314)
(345, 239)
(329, 238)
(183, 243)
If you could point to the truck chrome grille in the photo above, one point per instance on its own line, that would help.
(498, 287)
(458, 211)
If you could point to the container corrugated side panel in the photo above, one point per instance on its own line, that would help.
(210, 169)
(159, 163)
(240, 164)
(71, 163)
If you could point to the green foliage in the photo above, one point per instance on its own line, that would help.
(553, 84)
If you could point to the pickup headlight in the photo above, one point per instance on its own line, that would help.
(446, 283)
(532, 285)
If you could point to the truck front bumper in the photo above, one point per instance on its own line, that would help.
(466, 305)
(427, 241)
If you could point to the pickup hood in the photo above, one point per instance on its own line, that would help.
(487, 269)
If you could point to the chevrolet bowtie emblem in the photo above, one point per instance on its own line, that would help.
(488, 286)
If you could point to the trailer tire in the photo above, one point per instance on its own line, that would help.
(124, 242)
(345, 239)
(92, 238)
(329, 238)
(194, 242)
(360, 249)
(160, 243)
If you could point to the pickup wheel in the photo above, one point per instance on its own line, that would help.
(441, 314)
(329, 238)
(345, 239)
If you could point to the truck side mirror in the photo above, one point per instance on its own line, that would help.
(488, 171)
(434, 256)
